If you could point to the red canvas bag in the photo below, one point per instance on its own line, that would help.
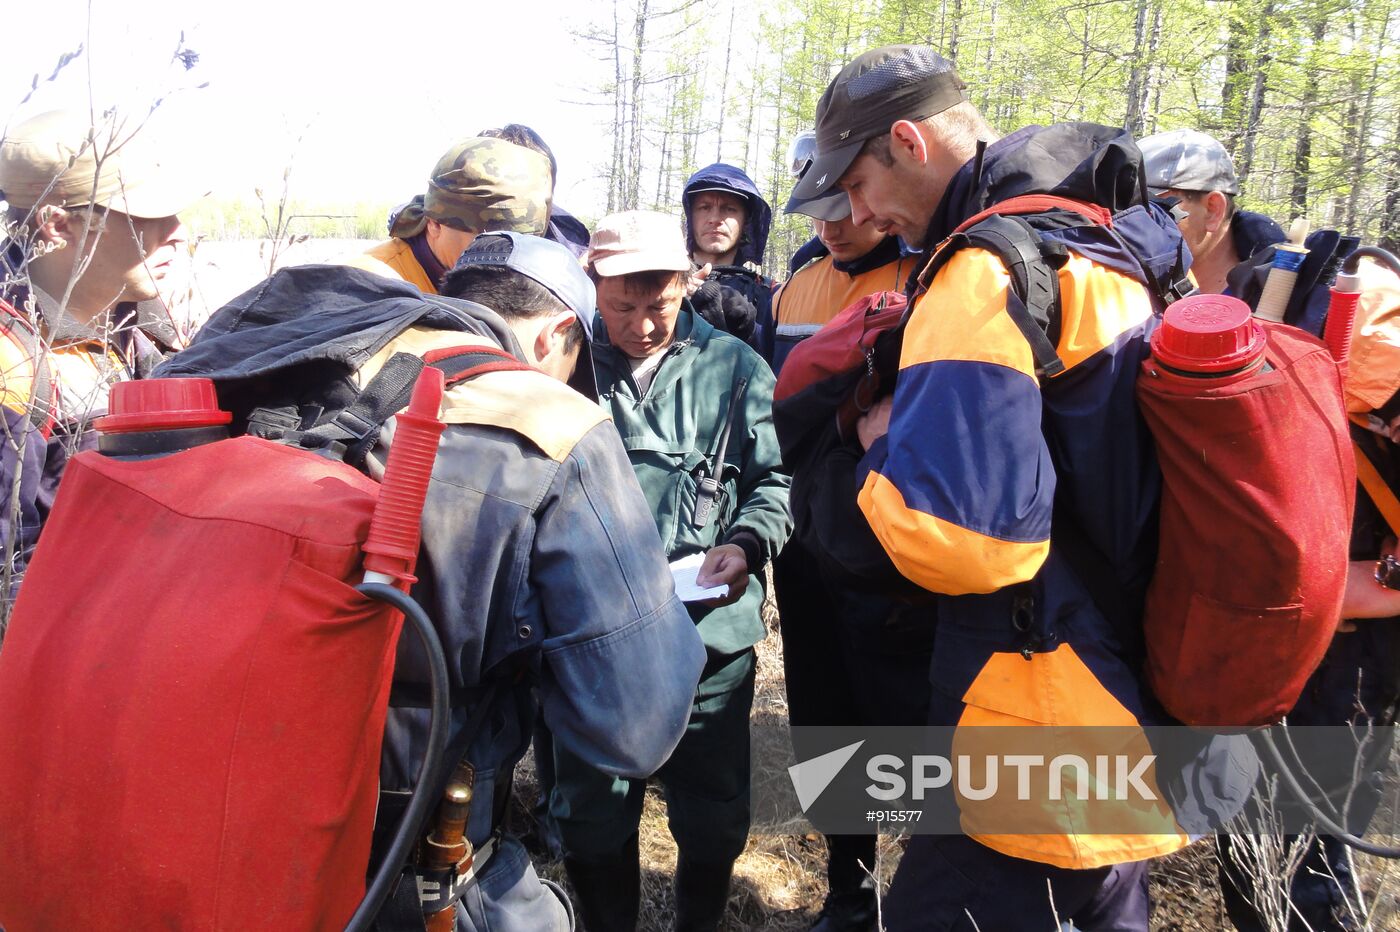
(1259, 482)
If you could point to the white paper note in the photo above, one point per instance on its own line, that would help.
(684, 571)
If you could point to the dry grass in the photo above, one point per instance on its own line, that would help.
(780, 880)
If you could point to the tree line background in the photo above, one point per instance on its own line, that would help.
(1304, 93)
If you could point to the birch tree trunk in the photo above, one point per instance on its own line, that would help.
(1302, 153)
(619, 123)
(1133, 116)
(1260, 89)
(633, 180)
(1390, 214)
(955, 32)
(724, 86)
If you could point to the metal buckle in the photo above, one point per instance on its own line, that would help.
(1388, 572)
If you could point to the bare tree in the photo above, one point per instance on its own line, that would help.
(1302, 153)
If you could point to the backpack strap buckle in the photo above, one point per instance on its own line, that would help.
(1181, 288)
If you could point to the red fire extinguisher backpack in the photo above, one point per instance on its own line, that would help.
(1259, 482)
(193, 688)
(1258, 478)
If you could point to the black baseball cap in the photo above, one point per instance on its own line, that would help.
(867, 97)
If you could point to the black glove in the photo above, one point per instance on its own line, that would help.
(725, 308)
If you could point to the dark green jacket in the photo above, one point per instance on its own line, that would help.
(671, 436)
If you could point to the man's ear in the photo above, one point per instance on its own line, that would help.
(54, 224)
(906, 140)
(553, 334)
(1216, 205)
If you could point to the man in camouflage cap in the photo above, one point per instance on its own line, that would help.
(480, 185)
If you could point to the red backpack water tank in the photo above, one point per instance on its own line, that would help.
(192, 692)
(1258, 487)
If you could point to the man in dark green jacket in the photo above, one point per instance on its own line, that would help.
(694, 409)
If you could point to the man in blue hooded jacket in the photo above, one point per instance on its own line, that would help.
(726, 228)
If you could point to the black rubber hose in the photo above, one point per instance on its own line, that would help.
(1353, 261)
(1290, 782)
(426, 790)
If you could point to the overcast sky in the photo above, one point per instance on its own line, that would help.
(375, 91)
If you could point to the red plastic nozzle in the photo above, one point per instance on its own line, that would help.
(1341, 318)
(392, 546)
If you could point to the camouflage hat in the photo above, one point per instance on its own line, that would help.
(483, 185)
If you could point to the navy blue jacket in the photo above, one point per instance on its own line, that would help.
(540, 565)
(1255, 237)
(744, 278)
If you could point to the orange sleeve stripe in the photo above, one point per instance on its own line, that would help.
(1097, 306)
(963, 317)
(941, 556)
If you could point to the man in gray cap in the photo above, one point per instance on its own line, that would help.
(997, 425)
(91, 228)
(479, 185)
(540, 565)
(1194, 168)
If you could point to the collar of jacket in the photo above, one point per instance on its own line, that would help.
(958, 198)
(885, 252)
(1083, 161)
(432, 266)
(1251, 232)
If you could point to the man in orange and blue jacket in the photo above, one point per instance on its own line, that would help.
(975, 451)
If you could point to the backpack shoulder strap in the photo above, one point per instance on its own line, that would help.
(1033, 263)
(1377, 488)
(358, 426)
(1039, 204)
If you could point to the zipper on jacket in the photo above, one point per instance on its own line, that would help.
(656, 374)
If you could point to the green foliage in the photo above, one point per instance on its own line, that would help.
(1305, 93)
(245, 219)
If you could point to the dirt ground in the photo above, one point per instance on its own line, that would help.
(779, 881)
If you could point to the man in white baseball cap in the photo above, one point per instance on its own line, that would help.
(694, 407)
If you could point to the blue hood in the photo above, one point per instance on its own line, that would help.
(754, 240)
